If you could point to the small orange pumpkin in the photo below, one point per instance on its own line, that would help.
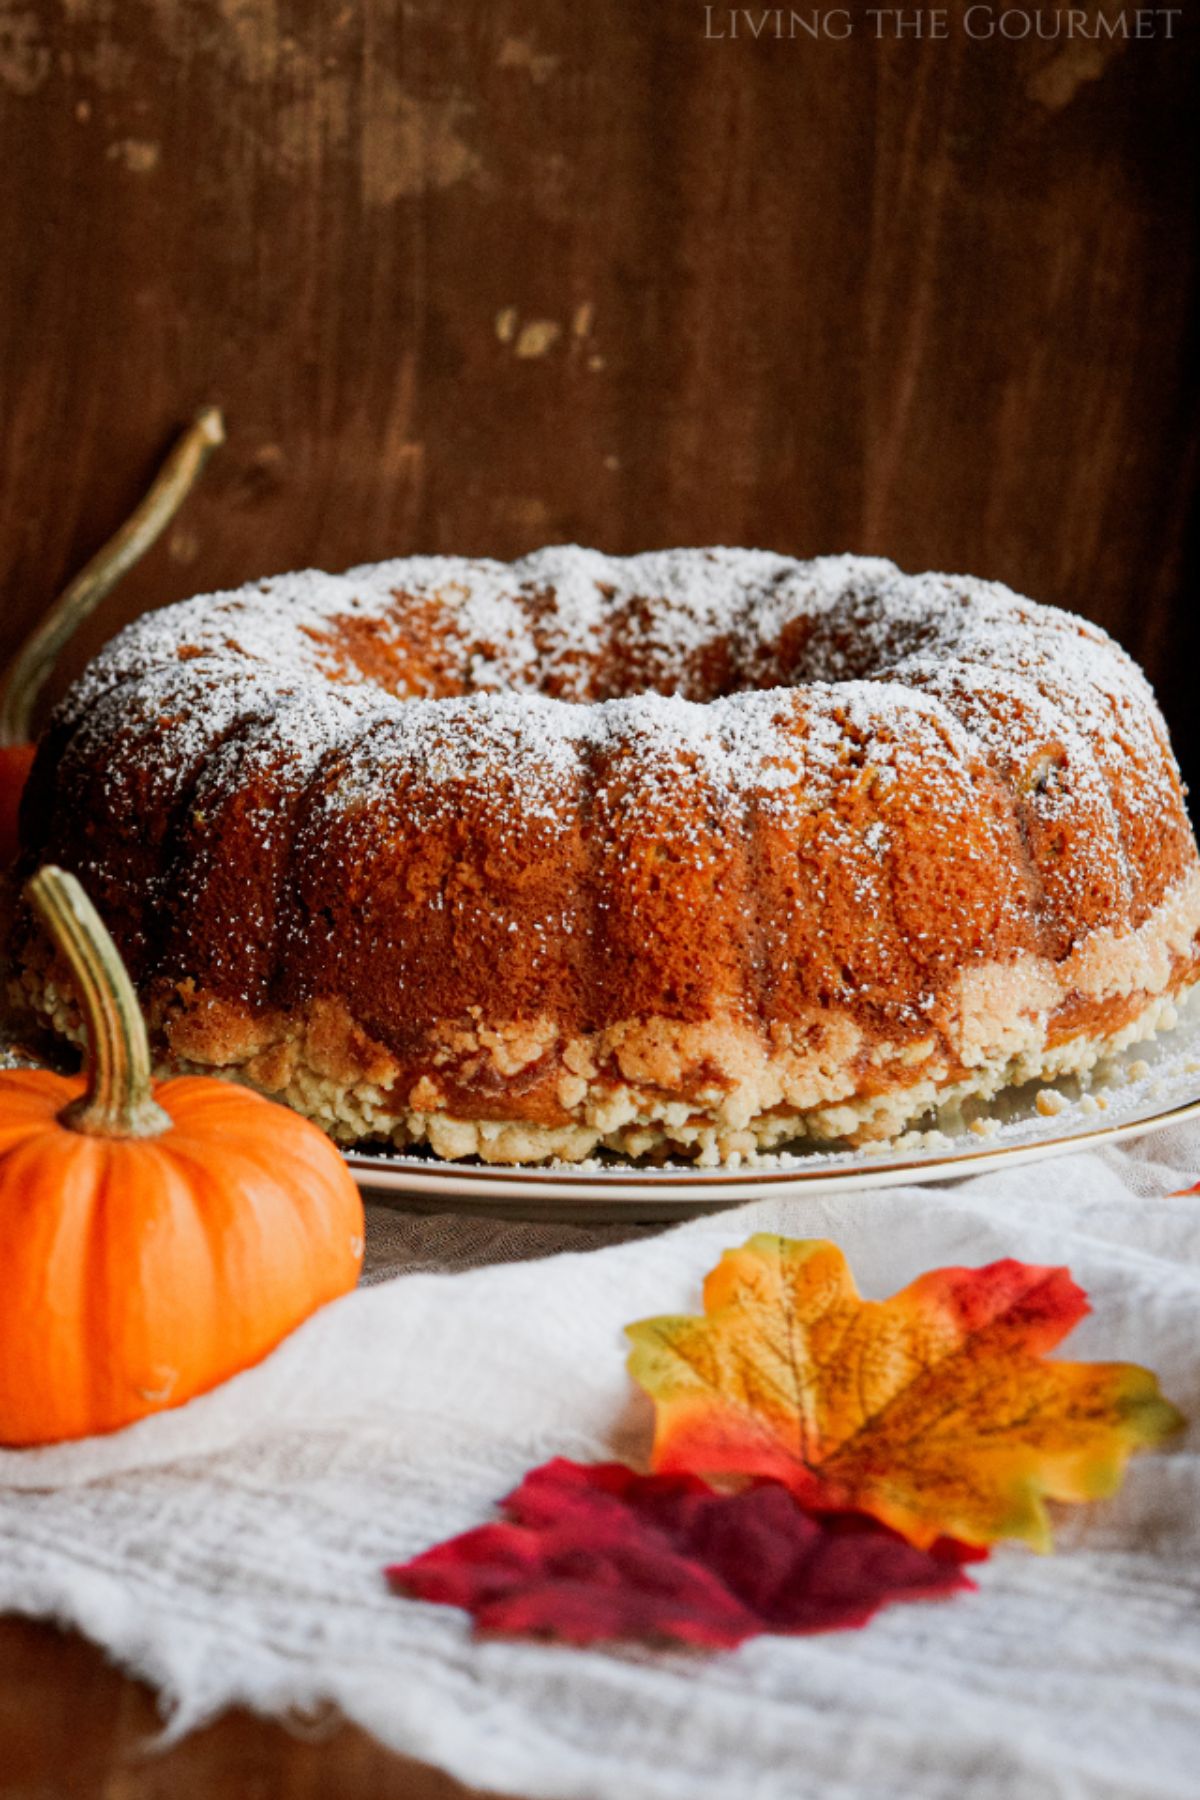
(155, 1238)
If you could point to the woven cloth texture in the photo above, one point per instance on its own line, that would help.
(231, 1551)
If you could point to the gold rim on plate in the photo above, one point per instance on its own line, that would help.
(399, 1179)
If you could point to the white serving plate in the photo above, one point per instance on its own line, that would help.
(1125, 1100)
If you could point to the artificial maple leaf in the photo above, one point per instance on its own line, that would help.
(934, 1410)
(594, 1553)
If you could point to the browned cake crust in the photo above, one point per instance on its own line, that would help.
(696, 851)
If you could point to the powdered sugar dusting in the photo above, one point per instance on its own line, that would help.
(756, 674)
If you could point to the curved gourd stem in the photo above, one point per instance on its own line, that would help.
(119, 1102)
(34, 661)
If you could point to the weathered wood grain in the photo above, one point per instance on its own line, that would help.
(482, 275)
(73, 1728)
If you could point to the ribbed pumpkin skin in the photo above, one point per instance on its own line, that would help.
(137, 1273)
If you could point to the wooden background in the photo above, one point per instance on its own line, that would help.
(478, 275)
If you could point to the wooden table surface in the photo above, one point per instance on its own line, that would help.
(73, 1728)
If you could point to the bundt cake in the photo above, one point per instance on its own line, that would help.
(691, 852)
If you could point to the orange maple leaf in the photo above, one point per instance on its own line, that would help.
(936, 1410)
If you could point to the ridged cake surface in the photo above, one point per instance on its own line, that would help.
(696, 851)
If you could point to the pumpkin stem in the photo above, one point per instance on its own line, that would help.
(34, 662)
(119, 1101)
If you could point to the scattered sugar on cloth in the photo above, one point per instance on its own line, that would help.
(232, 1552)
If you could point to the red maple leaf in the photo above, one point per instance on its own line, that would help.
(592, 1553)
